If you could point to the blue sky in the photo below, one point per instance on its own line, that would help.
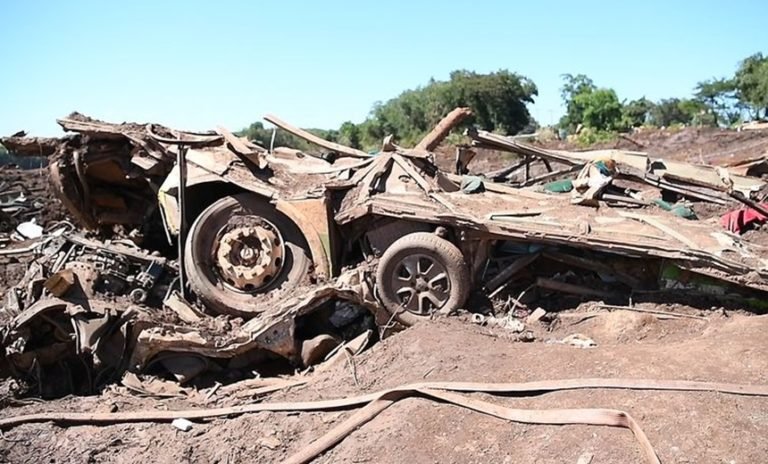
(194, 64)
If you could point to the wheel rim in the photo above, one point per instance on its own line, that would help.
(248, 253)
(421, 284)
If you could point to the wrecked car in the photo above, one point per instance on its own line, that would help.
(233, 253)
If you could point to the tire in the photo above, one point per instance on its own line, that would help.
(407, 259)
(204, 276)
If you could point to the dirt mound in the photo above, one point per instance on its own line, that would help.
(683, 427)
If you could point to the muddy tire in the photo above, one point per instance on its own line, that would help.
(226, 289)
(420, 274)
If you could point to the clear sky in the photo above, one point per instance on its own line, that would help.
(196, 64)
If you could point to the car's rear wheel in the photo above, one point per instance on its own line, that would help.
(420, 274)
(241, 250)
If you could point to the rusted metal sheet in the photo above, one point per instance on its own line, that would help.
(335, 147)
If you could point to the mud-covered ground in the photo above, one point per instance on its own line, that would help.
(683, 427)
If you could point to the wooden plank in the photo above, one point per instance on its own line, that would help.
(592, 265)
(441, 130)
(550, 284)
(650, 311)
(749, 203)
(551, 175)
(682, 190)
(427, 186)
(662, 227)
(312, 138)
(239, 147)
(517, 265)
(238, 144)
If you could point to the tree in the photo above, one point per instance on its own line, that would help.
(589, 106)
(636, 113)
(350, 134)
(498, 100)
(572, 87)
(680, 111)
(575, 85)
(720, 96)
(600, 108)
(751, 82)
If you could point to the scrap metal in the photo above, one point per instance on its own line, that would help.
(90, 309)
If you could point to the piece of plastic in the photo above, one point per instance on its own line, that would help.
(559, 186)
(30, 229)
(182, 424)
(472, 184)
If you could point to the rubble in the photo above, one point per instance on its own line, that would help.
(249, 255)
(727, 185)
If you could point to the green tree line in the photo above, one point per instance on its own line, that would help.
(723, 101)
(499, 101)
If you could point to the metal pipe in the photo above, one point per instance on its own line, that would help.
(181, 162)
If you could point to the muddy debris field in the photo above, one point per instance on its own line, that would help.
(172, 296)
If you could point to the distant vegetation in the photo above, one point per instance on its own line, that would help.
(725, 101)
(499, 101)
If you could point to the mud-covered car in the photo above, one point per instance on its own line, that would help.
(278, 249)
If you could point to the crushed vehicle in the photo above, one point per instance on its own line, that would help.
(226, 254)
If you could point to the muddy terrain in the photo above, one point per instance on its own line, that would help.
(536, 335)
(684, 427)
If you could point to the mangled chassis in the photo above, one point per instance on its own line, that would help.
(110, 175)
(113, 318)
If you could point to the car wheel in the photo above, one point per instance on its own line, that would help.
(420, 274)
(241, 250)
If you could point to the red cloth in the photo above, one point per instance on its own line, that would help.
(740, 219)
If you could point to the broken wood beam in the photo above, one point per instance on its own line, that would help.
(563, 287)
(749, 203)
(631, 140)
(552, 175)
(662, 227)
(650, 311)
(682, 190)
(527, 175)
(593, 265)
(312, 138)
(503, 143)
(623, 199)
(442, 129)
(254, 153)
(518, 265)
(239, 145)
(504, 172)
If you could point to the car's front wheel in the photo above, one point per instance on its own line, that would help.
(241, 251)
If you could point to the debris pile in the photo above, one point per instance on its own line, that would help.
(204, 253)
(633, 173)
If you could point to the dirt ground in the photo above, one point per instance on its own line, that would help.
(683, 427)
